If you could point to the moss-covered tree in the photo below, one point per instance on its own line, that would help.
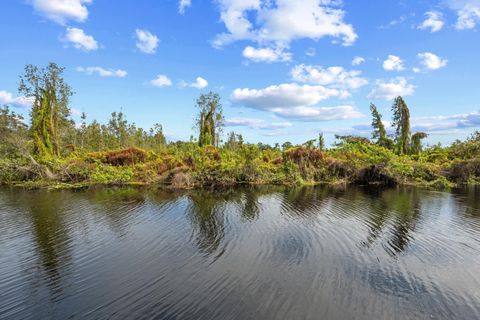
(210, 119)
(50, 95)
(379, 133)
(321, 142)
(401, 123)
(416, 146)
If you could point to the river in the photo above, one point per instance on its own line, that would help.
(243, 253)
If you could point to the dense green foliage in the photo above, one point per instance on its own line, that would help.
(53, 150)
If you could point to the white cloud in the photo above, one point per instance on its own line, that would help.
(389, 90)
(283, 96)
(434, 21)
(358, 61)
(199, 83)
(293, 101)
(319, 113)
(80, 40)
(398, 21)
(393, 63)
(7, 98)
(256, 124)
(102, 72)
(333, 76)
(183, 4)
(161, 81)
(266, 54)
(468, 13)
(61, 11)
(281, 21)
(146, 41)
(431, 61)
(442, 123)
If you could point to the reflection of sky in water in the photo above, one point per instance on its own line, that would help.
(270, 252)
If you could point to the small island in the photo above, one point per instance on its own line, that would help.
(52, 150)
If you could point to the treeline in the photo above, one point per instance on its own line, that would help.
(53, 149)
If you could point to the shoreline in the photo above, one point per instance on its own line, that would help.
(56, 185)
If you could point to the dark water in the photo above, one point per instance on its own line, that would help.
(264, 253)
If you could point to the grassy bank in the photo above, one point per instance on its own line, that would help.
(187, 165)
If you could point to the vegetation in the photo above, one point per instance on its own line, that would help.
(52, 150)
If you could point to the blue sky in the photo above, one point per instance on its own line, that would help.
(286, 69)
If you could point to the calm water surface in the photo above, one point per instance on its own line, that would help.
(263, 253)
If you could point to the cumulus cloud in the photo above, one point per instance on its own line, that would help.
(266, 54)
(283, 96)
(389, 90)
(256, 124)
(434, 21)
(7, 98)
(281, 21)
(431, 61)
(468, 13)
(358, 61)
(80, 40)
(146, 41)
(62, 11)
(200, 83)
(161, 81)
(183, 4)
(295, 101)
(393, 63)
(332, 76)
(102, 72)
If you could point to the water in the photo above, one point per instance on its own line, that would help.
(262, 253)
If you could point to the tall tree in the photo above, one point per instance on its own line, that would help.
(50, 110)
(210, 119)
(379, 132)
(401, 122)
(321, 142)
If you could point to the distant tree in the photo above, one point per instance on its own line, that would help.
(417, 138)
(13, 134)
(321, 142)
(310, 144)
(234, 141)
(157, 137)
(287, 145)
(349, 139)
(210, 119)
(83, 129)
(401, 123)
(50, 95)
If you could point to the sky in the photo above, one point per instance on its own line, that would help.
(286, 70)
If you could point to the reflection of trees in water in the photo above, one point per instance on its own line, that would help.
(117, 206)
(50, 232)
(206, 212)
(306, 201)
(400, 208)
(470, 198)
